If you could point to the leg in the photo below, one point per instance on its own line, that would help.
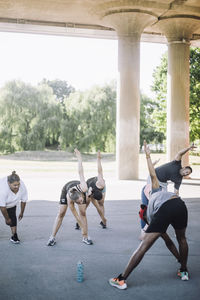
(183, 247)
(12, 215)
(100, 208)
(170, 245)
(82, 213)
(148, 241)
(59, 219)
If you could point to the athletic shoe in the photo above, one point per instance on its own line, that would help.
(77, 227)
(103, 225)
(14, 239)
(183, 275)
(51, 241)
(118, 282)
(87, 241)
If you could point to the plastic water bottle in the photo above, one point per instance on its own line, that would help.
(80, 271)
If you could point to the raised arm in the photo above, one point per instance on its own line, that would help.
(83, 183)
(152, 173)
(183, 151)
(100, 181)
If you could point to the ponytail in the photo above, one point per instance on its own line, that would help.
(13, 177)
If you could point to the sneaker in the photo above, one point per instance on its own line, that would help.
(14, 239)
(77, 227)
(51, 241)
(183, 275)
(87, 241)
(118, 282)
(103, 225)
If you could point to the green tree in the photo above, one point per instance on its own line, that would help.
(147, 122)
(194, 94)
(91, 118)
(160, 89)
(60, 88)
(159, 114)
(29, 117)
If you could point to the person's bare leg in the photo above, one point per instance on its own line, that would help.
(148, 241)
(170, 245)
(13, 229)
(82, 213)
(183, 247)
(59, 219)
(100, 209)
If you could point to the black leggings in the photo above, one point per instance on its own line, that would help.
(12, 215)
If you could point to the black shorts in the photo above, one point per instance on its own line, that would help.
(12, 215)
(63, 197)
(65, 189)
(174, 212)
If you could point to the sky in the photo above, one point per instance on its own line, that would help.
(82, 62)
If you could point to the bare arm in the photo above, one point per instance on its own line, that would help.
(6, 216)
(183, 151)
(83, 183)
(74, 212)
(176, 191)
(152, 173)
(23, 205)
(100, 181)
(155, 161)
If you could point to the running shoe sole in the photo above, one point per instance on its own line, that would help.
(118, 286)
(14, 242)
(184, 277)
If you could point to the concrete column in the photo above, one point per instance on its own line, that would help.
(128, 107)
(178, 32)
(129, 27)
(178, 99)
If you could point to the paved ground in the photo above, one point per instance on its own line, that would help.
(32, 270)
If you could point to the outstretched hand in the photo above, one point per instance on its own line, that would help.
(156, 161)
(99, 154)
(77, 153)
(192, 147)
(146, 148)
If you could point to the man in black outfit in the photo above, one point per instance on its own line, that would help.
(164, 208)
(174, 171)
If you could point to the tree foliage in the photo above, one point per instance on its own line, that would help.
(29, 117)
(194, 94)
(60, 88)
(160, 89)
(90, 122)
(159, 113)
(148, 129)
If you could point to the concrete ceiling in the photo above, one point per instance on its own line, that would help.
(86, 17)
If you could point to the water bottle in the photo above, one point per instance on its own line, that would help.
(80, 271)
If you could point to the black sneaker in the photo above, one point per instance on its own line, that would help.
(14, 239)
(103, 225)
(77, 227)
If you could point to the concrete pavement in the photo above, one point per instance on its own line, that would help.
(32, 270)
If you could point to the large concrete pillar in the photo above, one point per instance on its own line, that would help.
(178, 32)
(178, 98)
(129, 26)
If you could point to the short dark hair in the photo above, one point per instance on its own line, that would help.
(13, 177)
(188, 167)
(74, 194)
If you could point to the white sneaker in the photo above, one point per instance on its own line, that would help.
(51, 241)
(87, 241)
